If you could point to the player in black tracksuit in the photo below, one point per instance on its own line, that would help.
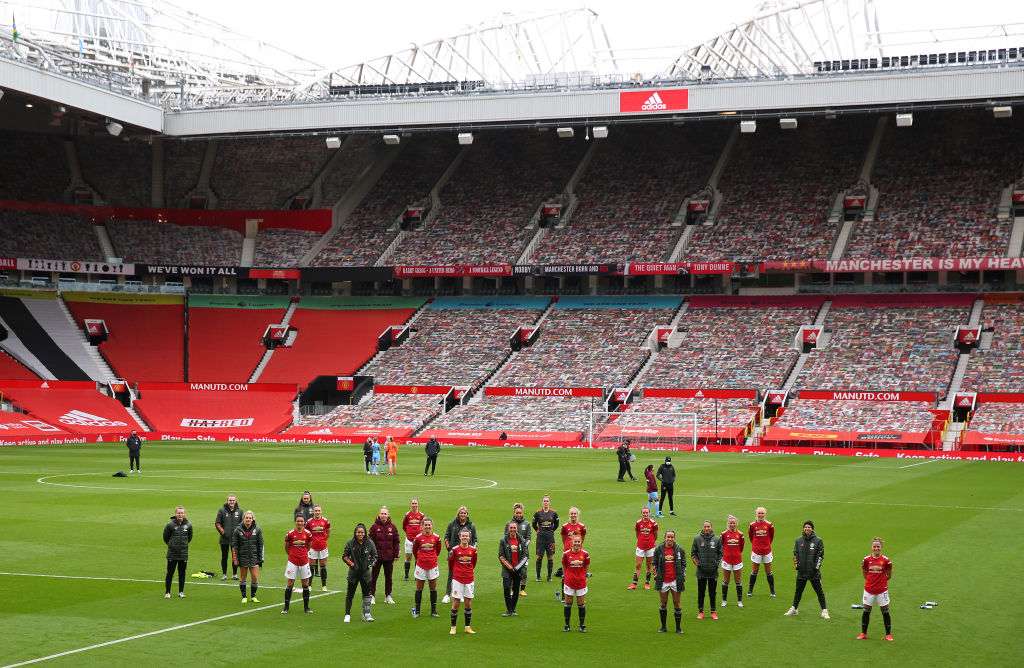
(545, 522)
(667, 475)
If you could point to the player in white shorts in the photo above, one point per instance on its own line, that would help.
(293, 572)
(462, 560)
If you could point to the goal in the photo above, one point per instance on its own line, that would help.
(644, 430)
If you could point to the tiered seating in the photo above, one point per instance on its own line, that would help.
(117, 169)
(359, 153)
(939, 183)
(34, 168)
(452, 346)
(247, 409)
(11, 369)
(729, 414)
(150, 241)
(335, 336)
(863, 416)
(627, 202)
(408, 180)
(777, 188)
(1001, 367)
(998, 418)
(50, 236)
(264, 173)
(395, 411)
(486, 205)
(146, 332)
(75, 407)
(224, 343)
(182, 162)
(725, 347)
(906, 348)
(283, 247)
(522, 414)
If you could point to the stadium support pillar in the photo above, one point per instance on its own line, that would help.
(592, 285)
(659, 283)
(944, 278)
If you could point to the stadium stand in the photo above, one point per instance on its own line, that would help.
(74, 406)
(939, 183)
(535, 415)
(359, 153)
(12, 369)
(717, 420)
(335, 336)
(630, 193)
(34, 168)
(283, 247)
(225, 335)
(151, 241)
(408, 180)
(50, 236)
(241, 408)
(399, 414)
(146, 333)
(488, 202)
(777, 188)
(861, 416)
(999, 418)
(1000, 368)
(20, 424)
(117, 169)
(264, 173)
(888, 343)
(182, 162)
(21, 319)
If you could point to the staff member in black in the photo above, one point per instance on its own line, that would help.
(360, 555)
(433, 448)
(228, 518)
(706, 554)
(177, 536)
(667, 475)
(134, 444)
(624, 455)
(367, 453)
(808, 553)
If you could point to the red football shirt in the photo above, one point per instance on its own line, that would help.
(877, 572)
(568, 530)
(297, 544)
(761, 535)
(411, 524)
(732, 547)
(670, 567)
(425, 548)
(462, 561)
(319, 528)
(574, 565)
(646, 534)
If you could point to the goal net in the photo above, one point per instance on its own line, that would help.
(644, 430)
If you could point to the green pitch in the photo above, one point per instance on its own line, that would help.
(82, 558)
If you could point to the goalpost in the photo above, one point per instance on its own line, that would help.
(644, 429)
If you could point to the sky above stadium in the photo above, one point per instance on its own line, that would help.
(335, 34)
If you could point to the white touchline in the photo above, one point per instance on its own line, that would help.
(90, 577)
(927, 461)
(153, 633)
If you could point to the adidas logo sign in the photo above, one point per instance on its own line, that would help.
(83, 419)
(654, 103)
(321, 431)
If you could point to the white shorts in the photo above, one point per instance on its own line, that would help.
(293, 572)
(881, 600)
(408, 546)
(669, 586)
(318, 554)
(462, 590)
(574, 592)
(421, 574)
(640, 552)
(732, 567)
(756, 558)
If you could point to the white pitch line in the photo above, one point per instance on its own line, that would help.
(927, 461)
(233, 583)
(154, 633)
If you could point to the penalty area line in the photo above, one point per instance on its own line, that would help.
(153, 633)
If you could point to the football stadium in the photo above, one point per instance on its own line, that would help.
(781, 268)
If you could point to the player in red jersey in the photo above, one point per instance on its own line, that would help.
(425, 549)
(670, 576)
(571, 528)
(761, 534)
(411, 527)
(462, 562)
(296, 544)
(877, 572)
(320, 527)
(575, 563)
(732, 560)
(646, 540)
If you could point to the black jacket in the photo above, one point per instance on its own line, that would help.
(707, 550)
(433, 448)
(304, 509)
(666, 474)
(362, 557)
(525, 531)
(368, 448)
(809, 552)
(659, 565)
(451, 534)
(247, 546)
(134, 444)
(227, 520)
(505, 550)
(177, 535)
(623, 453)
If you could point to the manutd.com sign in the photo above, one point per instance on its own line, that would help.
(654, 100)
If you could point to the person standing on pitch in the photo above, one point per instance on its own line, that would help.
(670, 576)
(808, 553)
(575, 565)
(761, 534)
(425, 550)
(384, 535)
(411, 527)
(544, 523)
(451, 539)
(296, 546)
(526, 536)
(706, 554)
(732, 561)
(462, 561)
(367, 453)
(360, 555)
(375, 454)
(667, 475)
(624, 456)
(433, 449)
(320, 527)
(877, 570)
(646, 539)
(247, 553)
(652, 490)
(305, 507)
(391, 452)
(177, 536)
(134, 444)
(513, 556)
(228, 518)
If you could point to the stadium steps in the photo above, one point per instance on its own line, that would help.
(976, 309)
(23, 321)
(14, 347)
(986, 340)
(842, 240)
(202, 188)
(1013, 248)
(819, 320)
(867, 168)
(78, 181)
(143, 425)
(93, 352)
(956, 382)
(954, 435)
(362, 370)
(106, 245)
(289, 339)
(248, 252)
(478, 393)
(683, 241)
(794, 373)
(56, 319)
(716, 174)
(386, 254)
